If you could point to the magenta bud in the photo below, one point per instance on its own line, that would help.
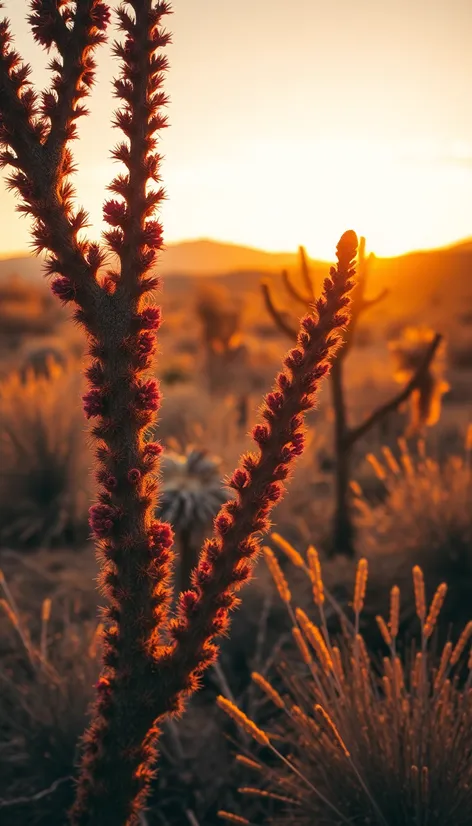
(309, 323)
(274, 401)
(260, 434)
(101, 519)
(150, 318)
(283, 381)
(152, 234)
(161, 534)
(223, 522)
(148, 396)
(239, 479)
(188, 601)
(115, 213)
(64, 289)
(294, 357)
(93, 403)
(134, 476)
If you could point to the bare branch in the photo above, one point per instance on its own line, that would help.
(18, 801)
(292, 290)
(306, 272)
(357, 432)
(281, 323)
(372, 302)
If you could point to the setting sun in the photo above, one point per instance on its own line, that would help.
(286, 128)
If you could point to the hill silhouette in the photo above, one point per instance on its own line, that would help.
(417, 280)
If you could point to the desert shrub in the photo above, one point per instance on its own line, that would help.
(47, 685)
(44, 488)
(422, 515)
(226, 357)
(192, 494)
(355, 738)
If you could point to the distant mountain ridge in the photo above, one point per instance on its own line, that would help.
(204, 257)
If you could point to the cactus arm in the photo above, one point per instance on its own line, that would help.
(394, 403)
(283, 325)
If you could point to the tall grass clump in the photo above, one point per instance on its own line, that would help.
(46, 680)
(152, 661)
(44, 472)
(423, 515)
(359, 738)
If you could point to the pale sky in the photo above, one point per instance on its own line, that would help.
(293, 121)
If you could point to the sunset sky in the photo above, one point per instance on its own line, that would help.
(293, 121)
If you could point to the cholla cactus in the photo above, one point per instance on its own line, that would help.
(151, 662)
(409, 352)
(355, 743)
(345, 434)
(191, 495)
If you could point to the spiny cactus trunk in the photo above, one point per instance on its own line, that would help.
(189, 549)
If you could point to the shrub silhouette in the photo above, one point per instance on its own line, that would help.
(151, 661)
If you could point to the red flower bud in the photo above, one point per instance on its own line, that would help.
(64, 289)
(260, 434)
(101, 519)
(150, 318)
(93, 403)
(148, 396)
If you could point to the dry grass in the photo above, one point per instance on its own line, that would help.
(47, 685)
(353, 738)
(44, 476)
(423, 515)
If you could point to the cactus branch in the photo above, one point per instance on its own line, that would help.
(345, 436)
(356, 433)
(293, 290)
(306, 273)
(277, 316)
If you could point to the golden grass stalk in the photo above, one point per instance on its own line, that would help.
(360, 585)
(434, 610)
(266, 687)
(288, 549)
(277, 575)
(420, 596)
(315, 572)
(231, 818)
(314, 637)
(243, 721)
(394, 611)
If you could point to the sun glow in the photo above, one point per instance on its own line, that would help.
(276, 195)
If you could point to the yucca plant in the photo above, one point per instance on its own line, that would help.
(357, 738)
(191, 495)
(152, 661)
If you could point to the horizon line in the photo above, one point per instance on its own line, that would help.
(220, 242)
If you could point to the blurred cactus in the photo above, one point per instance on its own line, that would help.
(191, 495)
(345, 435)
(225, 352)
(425, 400)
